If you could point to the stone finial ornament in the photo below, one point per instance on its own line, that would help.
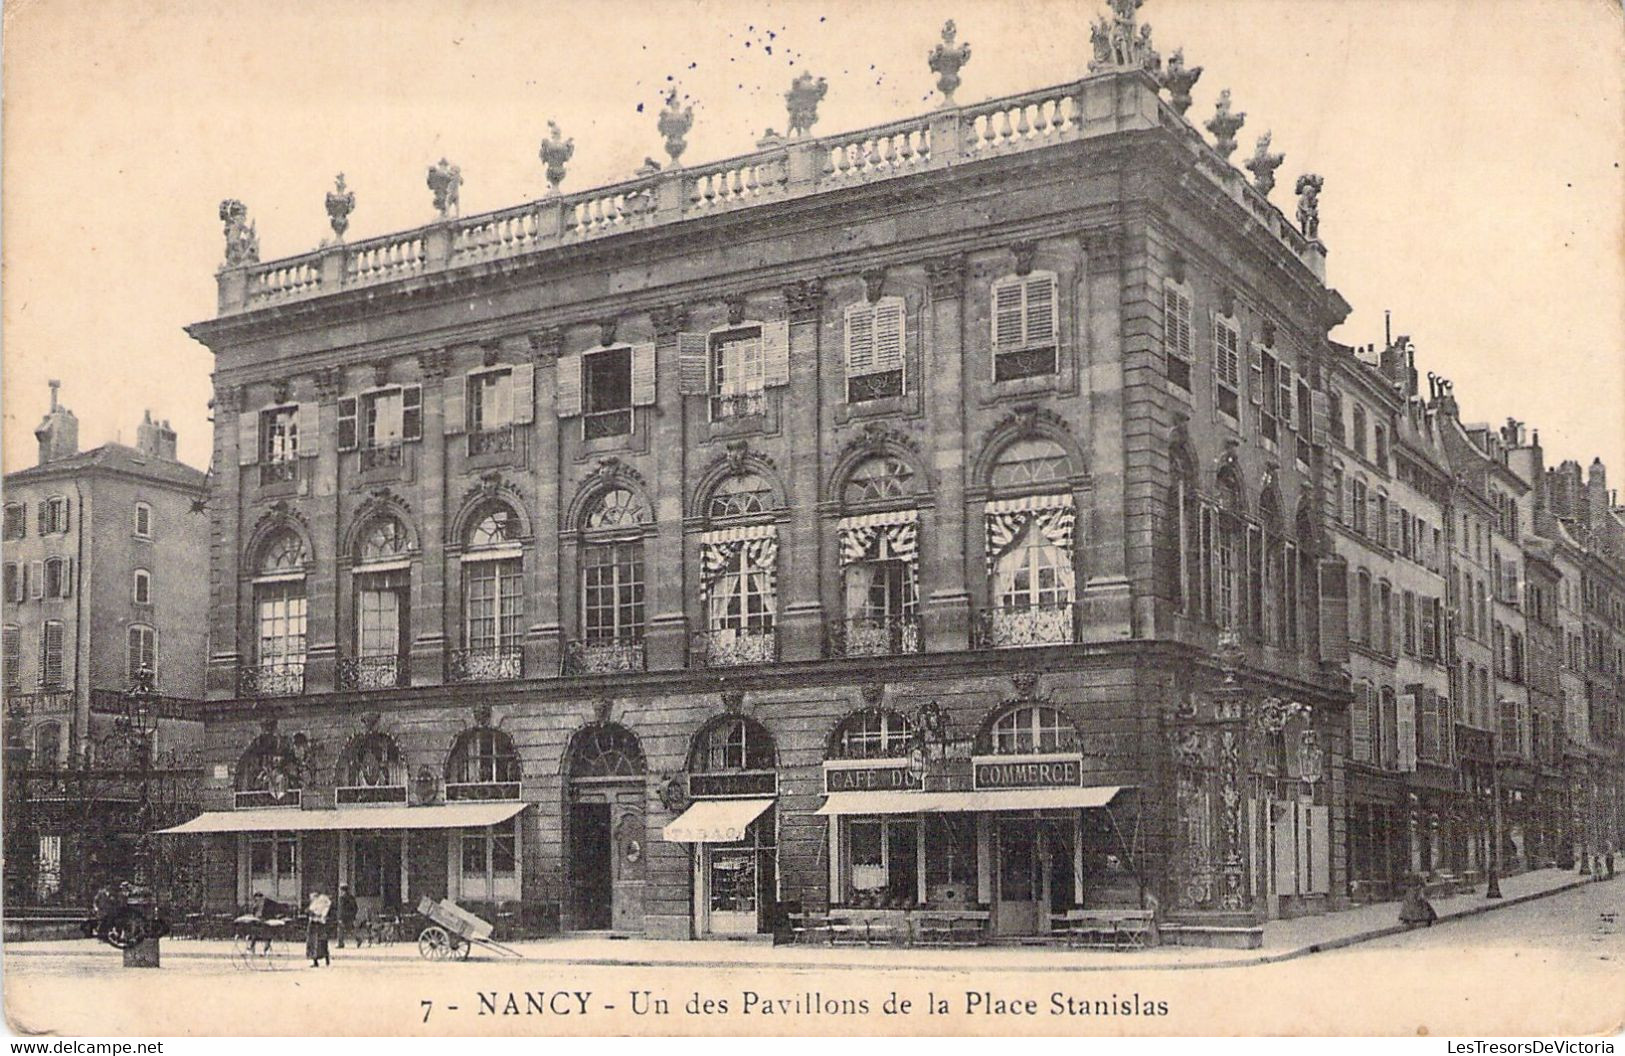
(340, 204)
(1120, 44)
(1179, 79)
(802, 100)
(555, 152)
(1263, 165)
(446, 181)
(675, 121)
(947, 59)
(1224, 124)
(242, 242)
(1308, 192)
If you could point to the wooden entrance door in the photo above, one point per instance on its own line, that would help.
(375, 874)
(1021, 878)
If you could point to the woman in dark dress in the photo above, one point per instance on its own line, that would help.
(316, 929)
(1415, 910)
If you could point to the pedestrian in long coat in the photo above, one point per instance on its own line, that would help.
(1415, 910)
(316, 927)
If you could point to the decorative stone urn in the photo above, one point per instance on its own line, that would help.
(946, 60)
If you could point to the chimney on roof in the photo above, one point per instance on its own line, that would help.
(58, 433)
(155, 438)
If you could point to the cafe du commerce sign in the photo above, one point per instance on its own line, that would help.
(1026, 771)
(870, 775)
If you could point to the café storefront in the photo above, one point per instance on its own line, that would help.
(1004, 827)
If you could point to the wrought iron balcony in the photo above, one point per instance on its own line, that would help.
(282, 678)
(283, 471)
(603, 656)
(1018, 627)
(370, 672)
(457, 791)
(379, 456)
(738, 405)
(732, 647)
(875, 636)
(492, 441)
(606, 423)
(487, 664)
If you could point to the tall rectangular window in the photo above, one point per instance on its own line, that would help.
(279, 435)
(874, 350)
(1176, 333)
(490, 401)
(16, 520)
(143, 520)
(11, 654)
(381, 613)
(281, 615)
(606, 382)
(142, 651)
(612, 592)
(51, 655)
(493, 603)
(1227, 367)
(1025, 317)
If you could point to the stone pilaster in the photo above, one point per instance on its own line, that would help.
(225, 516)
(801, 634)
(430, 586)
(666, 638)
(1106, 599)
(944, 571)
(322, 585)
(544, 646)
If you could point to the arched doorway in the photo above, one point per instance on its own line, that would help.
(606, 829)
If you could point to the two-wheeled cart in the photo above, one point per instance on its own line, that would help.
(453, 931)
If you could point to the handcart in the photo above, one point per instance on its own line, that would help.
(453, 931)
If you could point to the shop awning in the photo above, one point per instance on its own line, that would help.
(273, 819)
(967, 802)
(715, 821)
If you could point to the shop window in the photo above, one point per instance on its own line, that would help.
(488, 863)
(883, 857)
(950, 857)
(273, 868)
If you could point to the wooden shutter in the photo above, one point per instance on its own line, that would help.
(1007, 315)
(569, 385)
(36, 572)
(412, 412)
(1321, 405)
(454, 404)
(860, 340)
(65, 588)
(248, 438)
(1334, 609)
(67, 516)
(22, 581)
(1289, 403)
(523, 396)
(776, 352)
(1360, 723)
(643, 375)
(1255, 381)
(1039, 291)
(347, 423)
(1393, 527)
(1176, 322)
(1204, 561)
(693, 365)
(1405, 731)
(308, 421)
(44, 517)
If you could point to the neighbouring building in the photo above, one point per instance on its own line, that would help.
(102, 581)
(928, 517)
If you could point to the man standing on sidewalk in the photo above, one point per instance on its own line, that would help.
(347, 912)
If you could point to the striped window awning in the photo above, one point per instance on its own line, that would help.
(877, 520)
(738, 534)
(1032, 503)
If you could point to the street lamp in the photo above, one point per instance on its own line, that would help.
(1493, 889)
(137, 726)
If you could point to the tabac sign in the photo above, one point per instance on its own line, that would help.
(1027, 771)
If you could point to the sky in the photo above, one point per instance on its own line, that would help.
(1471, 150)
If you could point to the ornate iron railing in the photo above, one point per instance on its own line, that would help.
(732, 647)
(603, 656)
(487, 790)
(484, 665)
(738, 405)
(875, 636)
(370, 672)
(874, 386)
(1017, 627)
(492, 441)
(382, 455)
(284, 678)
(606, 423)
(362, 795)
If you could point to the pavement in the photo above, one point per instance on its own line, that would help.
(1283, 940)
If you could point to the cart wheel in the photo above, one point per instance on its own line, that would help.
(434, 943)
(239, 951)
(461, 948)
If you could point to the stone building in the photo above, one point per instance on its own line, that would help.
(924, 516)
(101, 552)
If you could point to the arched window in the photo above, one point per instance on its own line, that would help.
(371, 771)
(269, 774)
(1032, 729)
(483, 765)
(741, 495)
(1029, 462)
(280, 606)
(878, 479)
(605, 749)
(383, 590)
(879, 555)
(48, 744)
(493, 598)
(732, 743)
(873, 733)
(612, 585)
